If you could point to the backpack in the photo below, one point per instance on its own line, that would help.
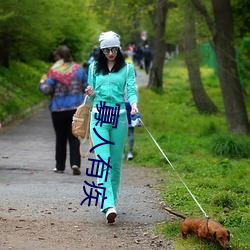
(81, 125)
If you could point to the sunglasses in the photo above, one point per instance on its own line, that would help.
(106, 51)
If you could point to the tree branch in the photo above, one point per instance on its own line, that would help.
(202, 9)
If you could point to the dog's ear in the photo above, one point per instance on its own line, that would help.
(228, 237)
(214, 235)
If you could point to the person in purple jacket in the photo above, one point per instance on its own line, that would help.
(65, 83)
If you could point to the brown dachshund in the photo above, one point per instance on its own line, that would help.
(204, 229)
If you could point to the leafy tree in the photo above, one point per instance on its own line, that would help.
(221, 28)
(175, 24)
(156, 72)
(201, 99)
(241, 18)
(126, 17)
(22, 35)
(28, 33)
(242, 33)
(78, 29)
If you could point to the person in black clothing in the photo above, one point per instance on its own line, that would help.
(147, 54)
(138, 54)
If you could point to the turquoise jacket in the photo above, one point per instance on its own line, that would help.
(111, 87)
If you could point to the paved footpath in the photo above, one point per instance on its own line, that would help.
(40, 209)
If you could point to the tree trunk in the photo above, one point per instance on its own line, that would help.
(201, 99)
(235, 109)
(159, 47)
(223, 38)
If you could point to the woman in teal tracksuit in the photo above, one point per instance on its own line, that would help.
(108, 77)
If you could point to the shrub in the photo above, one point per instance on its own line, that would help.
(231, 146)
(223, 200)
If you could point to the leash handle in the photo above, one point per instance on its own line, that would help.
(174, 170)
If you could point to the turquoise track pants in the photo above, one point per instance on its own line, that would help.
(118, 136)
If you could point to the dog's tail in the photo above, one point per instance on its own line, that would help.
(175, 213)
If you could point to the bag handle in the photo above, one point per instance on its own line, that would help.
(85, 99)
(83, 155)
(84, 140)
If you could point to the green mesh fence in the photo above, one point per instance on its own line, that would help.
(207, 55)
(208, 58)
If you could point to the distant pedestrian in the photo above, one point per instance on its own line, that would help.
(139, 56)
(147, 54)
(93, 55)
(65, 84)
(128, 108)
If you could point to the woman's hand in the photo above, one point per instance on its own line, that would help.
(43, 79)
(90, 91)
(134, 109)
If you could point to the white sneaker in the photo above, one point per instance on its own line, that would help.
(129, 156)
(111, 214)
(58, 171)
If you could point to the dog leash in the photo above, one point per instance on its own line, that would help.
(174, 169)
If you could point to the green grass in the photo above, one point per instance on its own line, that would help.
(19, 88)
(214, 164)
